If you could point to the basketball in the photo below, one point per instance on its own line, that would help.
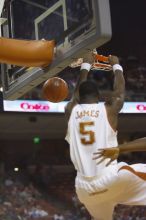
(55, 89)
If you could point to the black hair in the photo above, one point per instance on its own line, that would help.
(88, 88)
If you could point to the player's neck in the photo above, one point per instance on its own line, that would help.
(89, 101)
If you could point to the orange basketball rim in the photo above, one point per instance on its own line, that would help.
(100, 63)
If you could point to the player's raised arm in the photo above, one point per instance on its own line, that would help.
(113, 152)
(85, 68)
(117, 98)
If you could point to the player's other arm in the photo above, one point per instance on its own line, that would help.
(117, 99)
(75, 96)
(113, 152)
(136, 145)
(85, 68)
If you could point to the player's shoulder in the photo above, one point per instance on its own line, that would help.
(69, 108)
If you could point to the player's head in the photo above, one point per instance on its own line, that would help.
(88, 90)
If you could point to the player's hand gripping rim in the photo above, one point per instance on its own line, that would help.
(108, 153)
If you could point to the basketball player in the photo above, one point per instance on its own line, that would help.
(114, 152)
(92, 125)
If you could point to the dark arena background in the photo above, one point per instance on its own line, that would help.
(36, 174)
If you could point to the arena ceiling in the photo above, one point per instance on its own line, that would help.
(129, 30)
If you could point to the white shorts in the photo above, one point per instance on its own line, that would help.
(118, 184)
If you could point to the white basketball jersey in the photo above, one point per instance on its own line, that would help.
(88, 131)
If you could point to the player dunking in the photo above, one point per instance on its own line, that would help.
(92, 125)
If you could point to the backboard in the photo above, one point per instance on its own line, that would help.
(76, 25)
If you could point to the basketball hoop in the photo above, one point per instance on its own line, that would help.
(101, 66)
(101, 63)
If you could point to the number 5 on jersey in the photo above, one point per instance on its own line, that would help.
(89, 134)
